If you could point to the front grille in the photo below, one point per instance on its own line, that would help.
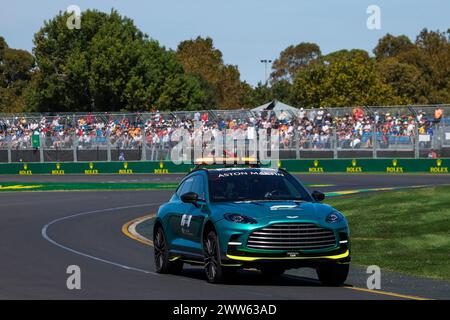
(292, 236)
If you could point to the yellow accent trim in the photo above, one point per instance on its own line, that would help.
(339, 256)
(192, 261)
(387, 293)
(125, 230)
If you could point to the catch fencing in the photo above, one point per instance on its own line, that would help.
(145, 143)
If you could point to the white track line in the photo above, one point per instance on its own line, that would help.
(46, 236)
(133, 231)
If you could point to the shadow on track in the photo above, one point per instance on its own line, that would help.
(254, 278)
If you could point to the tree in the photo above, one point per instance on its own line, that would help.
(433, 58)
(405, 79)
(292, 59)
(281, 91)
(15, 73)
(391, 46)
(220, 81)
(106, 65)
(261, 94)
(430, 55)
(342, 79)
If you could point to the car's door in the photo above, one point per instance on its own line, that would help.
(176, 215)
(194, 217)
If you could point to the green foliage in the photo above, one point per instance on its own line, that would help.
(342, 79)
(110, 65)
(15, 73)
(391, 46)
(402, 72)
(294, 58)
(220, 82)
(261, 94)
(107, 65)
(405, 79)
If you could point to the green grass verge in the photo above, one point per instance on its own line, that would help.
(406, 231)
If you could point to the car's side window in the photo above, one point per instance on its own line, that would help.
(198, 186)
(185, 186)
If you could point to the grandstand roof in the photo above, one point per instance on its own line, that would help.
(276, 105)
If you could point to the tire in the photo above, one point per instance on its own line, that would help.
(215, 272)
(272, 271)
(333, 275)
(162, 256)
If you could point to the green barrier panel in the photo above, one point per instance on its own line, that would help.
(367, 165)
(92, 168)
(395, 166)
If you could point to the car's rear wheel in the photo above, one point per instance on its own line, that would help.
(333, 275)
(270, 271)
(162, 256)
(215, 272)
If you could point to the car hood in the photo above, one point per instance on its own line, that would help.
(274, 210)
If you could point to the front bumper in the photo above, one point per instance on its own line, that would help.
(289, 260)
(234, 251)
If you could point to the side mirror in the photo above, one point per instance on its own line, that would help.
(318, 196)
(189, 197)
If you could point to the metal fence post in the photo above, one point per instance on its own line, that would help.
(335, 144)
(75, 147)
(108, 146)
(9, 149)
(297, 144)
(374, 140)
(416, 141)
(144, 144)
(41, 149)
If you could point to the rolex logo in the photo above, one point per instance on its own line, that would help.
(58, 166)
(394, 162)
(161, 165)
(316, 168)
(91, 165)
(25, 167)
(439, 162)
(125, 165)
(354, 168)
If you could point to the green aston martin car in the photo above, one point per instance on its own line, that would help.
(231, 218)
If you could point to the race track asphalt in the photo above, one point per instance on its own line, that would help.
(42, 233)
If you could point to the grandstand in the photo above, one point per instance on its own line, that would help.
(361, 132)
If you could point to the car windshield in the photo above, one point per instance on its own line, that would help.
(254, 185)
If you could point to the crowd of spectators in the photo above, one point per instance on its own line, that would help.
(353, 128)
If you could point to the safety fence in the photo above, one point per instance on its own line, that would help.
(380, 132)
(391, 165)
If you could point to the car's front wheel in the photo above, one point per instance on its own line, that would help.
(333, 275)
(161, 253)
(215, 272)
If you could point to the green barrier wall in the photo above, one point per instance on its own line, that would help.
(91, 168)
(395, 166)
(368, 165)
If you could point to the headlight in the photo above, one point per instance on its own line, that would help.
(333, 217)
(239, 218)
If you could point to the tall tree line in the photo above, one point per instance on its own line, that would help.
(110, 65)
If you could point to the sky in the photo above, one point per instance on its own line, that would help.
(246, 31)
